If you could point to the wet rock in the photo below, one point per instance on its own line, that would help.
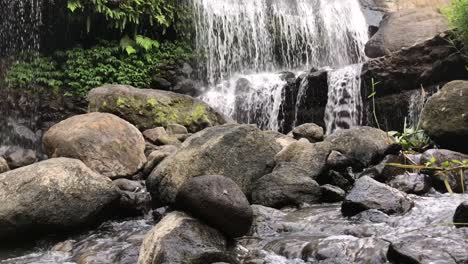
(287, 185)
(405, 28)
(180, 239)
(149, 108)
(461, 215)
(368, 193)
(104, 142)
(309, 131)
(52, 196)
(3, 165)
(444, 116)
(449, 248)
(157, 156)
(414, 183)
(383, 172)
(242, 153)
(264, 220)
(174, 129)
(344, 180)
(339, 162)
(332, 194)
(310, 157)
(133, 203)
(372, 216)
(441, 156)
(17, 157)
(364, 144)
(218, 201)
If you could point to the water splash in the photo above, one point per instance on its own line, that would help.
(242, 37)
(344, 104)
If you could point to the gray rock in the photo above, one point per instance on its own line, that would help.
(134, 203)
(154, 134)
(218, 201)
(181, 239)
(310, 157)
(461, 215)
(174, 129)
(310, 131)
(104, 142)
(3, 165)
(365, 144)
(157, 156)
(332, 194)
(414, 183)
(444, 117)
(240, 152)
(149, 108)
(17, 157)
(52, 196)
(339, 162)
(383, 172)
(128, 185)
(405, 28)
(368, 193)
(287, 185)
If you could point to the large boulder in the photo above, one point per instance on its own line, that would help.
(444, 117)
(368, 193)
(52, 196)
(242, 153)
(218, 201)
(148, 108)
(366, 145)
(405, 28)
(288, 184)
(460, 218)
(104, 142)
(181, 239)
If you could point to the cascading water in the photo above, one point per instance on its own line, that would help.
(240, 40)
(344, 104)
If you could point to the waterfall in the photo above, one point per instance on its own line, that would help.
(255, 39)
(344, 104)
(20, 22)
(416, 104)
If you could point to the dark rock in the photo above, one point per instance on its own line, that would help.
(161, 83)
(383, 172)
(310, 157)
(287, 185)
(134, 203)
(444, 117)
(332, 194)
(157, 156)
(104, 142)
(414, 183)
(241, 152)
(371, 194)
(149, 108)
(364, 144)
(188, 87)
(17, 157)
(309, 131)
(461, 215)
(218, 201)
(344, 180)
(52, 196)
(405, 28)
(181, 239)
(373, 216)
(339, 162)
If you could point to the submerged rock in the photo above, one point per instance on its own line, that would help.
(461, 215)
(444, 117)
(312, 132)
(287, 185)
(181, 239)
(218, 201)
(368, 193)
(149, 108)
(242, 153)
(104, 142)
(52, 196)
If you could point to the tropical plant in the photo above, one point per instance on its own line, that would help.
(457, 15)
(412, 138)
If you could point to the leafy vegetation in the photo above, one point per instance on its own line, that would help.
(457, 15)
(83, 69)
(412, 139)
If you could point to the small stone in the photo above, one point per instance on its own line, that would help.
(174, 129)
(310, 131)
(17, 157)
(154, 134)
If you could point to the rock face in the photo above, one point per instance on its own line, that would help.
(287, 185)
(364, 144)
(218, 201)
(461, 215)
(242, 153)
(146, 108)
(445, 117)
(104, 142)
(404, 29)
(181, 239)
(371, 194)
(52, 196)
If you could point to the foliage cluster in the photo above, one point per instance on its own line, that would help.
(411, 138)
(83, 69)
(457, 15)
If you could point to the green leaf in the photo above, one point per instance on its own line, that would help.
(371, 95)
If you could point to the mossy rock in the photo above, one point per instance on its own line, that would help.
(148, 108)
